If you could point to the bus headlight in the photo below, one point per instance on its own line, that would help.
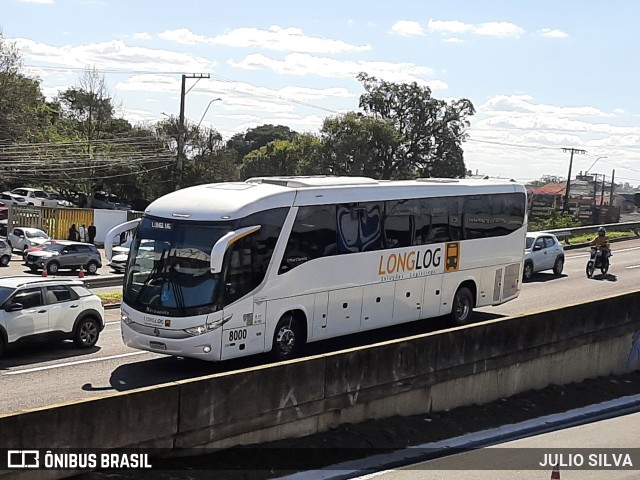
(125, 318)
(195, 331)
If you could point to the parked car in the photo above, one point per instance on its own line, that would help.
(105, 201)
(3, 228)
(35, 308)
(4, 212)
(8, 199)
(61, 201)
(120, 256)
(65, 254)
(542, 251)
(5, 253)
(37, 248)
(34, 196)
(22, 238)
(119, 262)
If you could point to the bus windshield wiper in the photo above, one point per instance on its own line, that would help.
(157, 267)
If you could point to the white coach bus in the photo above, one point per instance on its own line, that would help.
(232, 269)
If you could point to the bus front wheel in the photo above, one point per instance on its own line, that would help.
(462, 306)
(287, 338)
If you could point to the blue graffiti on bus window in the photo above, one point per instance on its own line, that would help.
(633, 361)
(359, 229)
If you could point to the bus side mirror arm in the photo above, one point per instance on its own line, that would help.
(117, 230)
(221, 246)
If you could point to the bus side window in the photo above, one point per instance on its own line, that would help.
(399, 223)
(359, 227)
(313, 235)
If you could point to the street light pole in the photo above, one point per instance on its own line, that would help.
(181, 132)
(207, 109)
(594, 162)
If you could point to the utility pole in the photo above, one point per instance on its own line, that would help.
(181, 132)
(604, 177)
(613, 176)
(595, 216)
(566, 196)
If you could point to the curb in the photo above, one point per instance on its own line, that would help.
(371, 466)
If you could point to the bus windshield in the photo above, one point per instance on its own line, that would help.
(168, 270)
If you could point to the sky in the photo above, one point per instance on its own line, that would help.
(543, 75)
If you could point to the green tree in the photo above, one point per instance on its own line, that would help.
(207, 160)
(301, 156)
(358, 145)
(432, 130)
(258, 137)
(24, 115)
(89, 104)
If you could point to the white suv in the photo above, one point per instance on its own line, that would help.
(41, 308)
(23, 238)
(542, 251)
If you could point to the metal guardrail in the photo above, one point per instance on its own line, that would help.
(103, 281)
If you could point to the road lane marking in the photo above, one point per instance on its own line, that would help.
(68, 364)
(633, 266)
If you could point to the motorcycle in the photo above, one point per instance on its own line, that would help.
(599, 259)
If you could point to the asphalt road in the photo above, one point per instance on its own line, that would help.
(39, 375)
(516, 460)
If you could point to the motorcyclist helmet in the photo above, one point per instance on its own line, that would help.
(602, 232)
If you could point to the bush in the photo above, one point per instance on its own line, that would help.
(555, 221)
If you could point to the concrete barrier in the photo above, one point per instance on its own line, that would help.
(425, 373)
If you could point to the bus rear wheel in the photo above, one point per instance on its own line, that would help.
(462, 306)
(287, 338)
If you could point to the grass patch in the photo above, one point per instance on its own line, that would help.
(587, 237)
(111, 297)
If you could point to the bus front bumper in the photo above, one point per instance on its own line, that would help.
(204, 347)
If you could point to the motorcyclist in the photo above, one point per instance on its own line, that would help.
(602, 242)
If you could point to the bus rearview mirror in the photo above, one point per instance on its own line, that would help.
(221, 246)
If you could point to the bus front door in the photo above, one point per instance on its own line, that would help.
(244, 333)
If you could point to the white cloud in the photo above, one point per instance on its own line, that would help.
(516, 137)
(453, 40)
(547, 32)
(407, 28)
(141, 36)
(114, 55)
(225, 90)
(524, 104)
(138, 116)
(491, 29)
(276, 38)
(42, 2)
(52, 92)
(300, 64)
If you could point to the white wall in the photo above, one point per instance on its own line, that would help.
(105, 220)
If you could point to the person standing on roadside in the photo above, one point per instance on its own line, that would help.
(74, 235)
(83, 233)
(91, 232)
